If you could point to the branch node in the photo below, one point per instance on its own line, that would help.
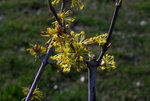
(118, 3)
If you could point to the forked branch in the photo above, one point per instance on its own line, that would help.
(92, 81)
(39, 73)
(111, 28)
(46, 58)
(92, 68)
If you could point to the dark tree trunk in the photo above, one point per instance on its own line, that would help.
(92, 83)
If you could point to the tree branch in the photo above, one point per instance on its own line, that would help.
(41, 59)
(39, 73)
(55, 14)
(62, 26)
(45, 60)
(92, 67)
(112, 25)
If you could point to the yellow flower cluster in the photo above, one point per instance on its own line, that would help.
(100, 39)
(65, 18)
(36, 96)
(71, 49)
(54, 2)
(108, 63)
(37, 49)
(77, 3)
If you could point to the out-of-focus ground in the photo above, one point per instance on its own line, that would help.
(21, 21)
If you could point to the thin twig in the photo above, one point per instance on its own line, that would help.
(55, 14)
(62, 26)
(113, 21)
(63, 5)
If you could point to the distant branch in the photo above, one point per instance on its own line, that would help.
(112, 24)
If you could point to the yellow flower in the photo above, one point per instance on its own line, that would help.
(100, 39)
(66, 18)
(66, 68)
(32, 52)
(36, 49)
(51, 31)
(54, 2)
(36, 96)
(108, 62)
(77, 3)
(81, 58)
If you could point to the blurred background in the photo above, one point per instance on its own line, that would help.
(21, 22)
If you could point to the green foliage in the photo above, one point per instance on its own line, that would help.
(144, 6)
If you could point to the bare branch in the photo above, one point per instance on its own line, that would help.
(112, 24)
